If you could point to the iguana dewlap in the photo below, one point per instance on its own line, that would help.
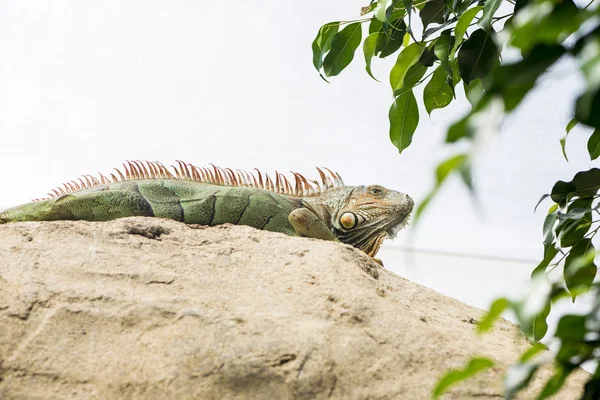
(361, 216)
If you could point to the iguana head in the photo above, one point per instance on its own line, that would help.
(369, 214)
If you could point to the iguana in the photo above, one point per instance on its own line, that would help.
(357, 215)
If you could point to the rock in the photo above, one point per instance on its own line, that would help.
(154, 309)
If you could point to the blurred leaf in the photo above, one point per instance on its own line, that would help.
(454, 376)
(369, 51)
(473, 91)
(531, 352)
(453, 164)
(593, 144)
(571, 327)
(437, 93)
(390, 38)
(412, 77)
(546, 23)
(517, 377)
(404, 118)
(322, 43)
(587, 108)
(555, 382)
(433, 12)
(477, 56)
(463, 24)
(406, 59)
(497, 308)
(580, 270)
(592, 388)
(515, 80)
(489, 9)
(343, 46)
(442, 47)
(540, 326)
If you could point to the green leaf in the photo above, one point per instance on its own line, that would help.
(369, 51)
(489, 9)
(548, 229)
(572, 123)
(343, 46)
(412, 77)
(593, 144)
(477, 56)
(406, 59)
(584, 184)
(550, 251)
(438, 92)
(442, 47)
(408, 5)
(462, 25)
(455, 376)
(497, 308)
(390, 38)
(433, 12)
(563, 142)
(428, 57)
(580, 270)
(322, 43)
(404, 118)
(573, 231)
(517, 377)
(375, 25)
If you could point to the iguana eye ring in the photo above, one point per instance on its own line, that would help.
(348, 220)
(375, 191)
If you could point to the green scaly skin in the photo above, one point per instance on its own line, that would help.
(357, 215)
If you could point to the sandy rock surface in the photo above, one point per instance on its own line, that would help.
(154, 309)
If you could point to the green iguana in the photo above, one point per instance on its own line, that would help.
(357, 215)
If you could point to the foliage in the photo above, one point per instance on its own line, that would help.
(449, 45)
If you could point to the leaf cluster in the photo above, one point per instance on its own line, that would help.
(459, 47)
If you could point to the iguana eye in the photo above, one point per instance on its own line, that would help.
(348, 220)
(375, 191)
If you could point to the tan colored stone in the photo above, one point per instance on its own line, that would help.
(155, 309)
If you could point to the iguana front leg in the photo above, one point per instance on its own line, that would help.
(307, 223)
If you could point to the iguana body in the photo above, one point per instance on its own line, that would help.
(357, 215)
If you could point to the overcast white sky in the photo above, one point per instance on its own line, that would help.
(85, 85)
